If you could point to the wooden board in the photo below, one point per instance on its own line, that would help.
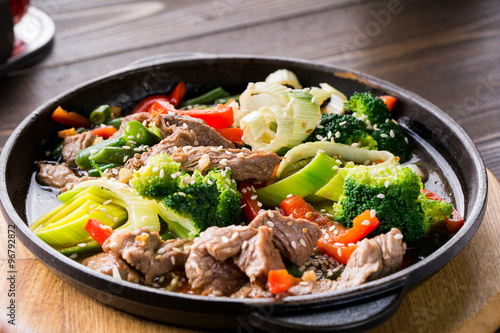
(463, 297)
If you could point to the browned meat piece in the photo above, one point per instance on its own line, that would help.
(104, 262)
(73, 144)
(294, 238)
(258, 256)
(252, 291)
(147, 252)
(210, 267)
(206, 135)
(244, 164)
(374, 258)
(55, 175)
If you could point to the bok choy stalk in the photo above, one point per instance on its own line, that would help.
(304, 182)
(349, 153)
(113, 203)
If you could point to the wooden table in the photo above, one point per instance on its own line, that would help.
(445, 51)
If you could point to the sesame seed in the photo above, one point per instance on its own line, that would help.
(394, 121)
(337, 134)
(339, 252)
(387, 120)
(109, 217)
(293, 244)
(126, 147)
(185, 125)
(114, 171)
(240, 155)
(172, 259)
(223, 161)
(138, 135)
(162, 173)
(132, 142)
(302, 242)
(73, 256)
(289, 223)
(319, 137)
(327, 236)
(308, 215)
(338, 244)
(225, 239)
(391, 133)
(355, 144)
(234, 235)
(398, 236)
(270, 224)
(406, 140)
(329, 135)
(82, 244)
(387, 183)
(270, 214)
(244, 245)
(335, 232)
(304, 230)
(155, 169)
(380, 196)
(373, 213)
(243, 206)
(343, 123)
(158, 257)
(182, 194)
(320, 126)
(92, 206)
(331, 228)
(365, 222)
(259, 203)
(351, 244)
(125, 158)
(329, 215)
(289, 195)
(383, 135)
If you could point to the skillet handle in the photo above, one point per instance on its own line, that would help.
(349, 315)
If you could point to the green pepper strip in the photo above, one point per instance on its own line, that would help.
(113, 155)
(116, 123)
(208, 97)
(82, 158)
(94, 172)
(141, 135)
(100, 114)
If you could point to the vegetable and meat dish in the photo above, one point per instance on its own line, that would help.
(277, 191)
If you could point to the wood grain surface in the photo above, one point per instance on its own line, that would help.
(463, 297)
(446, 51)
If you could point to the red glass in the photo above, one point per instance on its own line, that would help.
(19, 8)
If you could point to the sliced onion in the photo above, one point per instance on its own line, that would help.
(284, 77)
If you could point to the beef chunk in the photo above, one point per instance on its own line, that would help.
(252, 291)
(294, 238)
(244, 164)
(374, 258)
(73, 144)
(258, 256)
(104, 262)
(206, 135)
(55, 175)
(147, 252)
(210, 266)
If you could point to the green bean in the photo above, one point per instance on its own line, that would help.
(116, 123)
(82, 158)
(208, 97)
(113, 155)
(100, 115)
(136, 134)
(95, 173)
(58, 149)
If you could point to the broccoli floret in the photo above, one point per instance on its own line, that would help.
(390, 137)
(394, 193)
(343, 129)
(376, 115)
(370, 109)
(154, 180)
(202, 202)
(436, 212)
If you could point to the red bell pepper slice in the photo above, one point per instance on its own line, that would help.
(174, 98)
(363, 225)
(71, 119)
(340, 252)
(220, 116)
(232, 134)
(249, 203)
(105, 131)
(280, 280)
(299, 208)
(452, 224)
(389, 101)
(98, 230)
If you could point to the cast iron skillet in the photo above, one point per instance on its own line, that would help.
(357, 308)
